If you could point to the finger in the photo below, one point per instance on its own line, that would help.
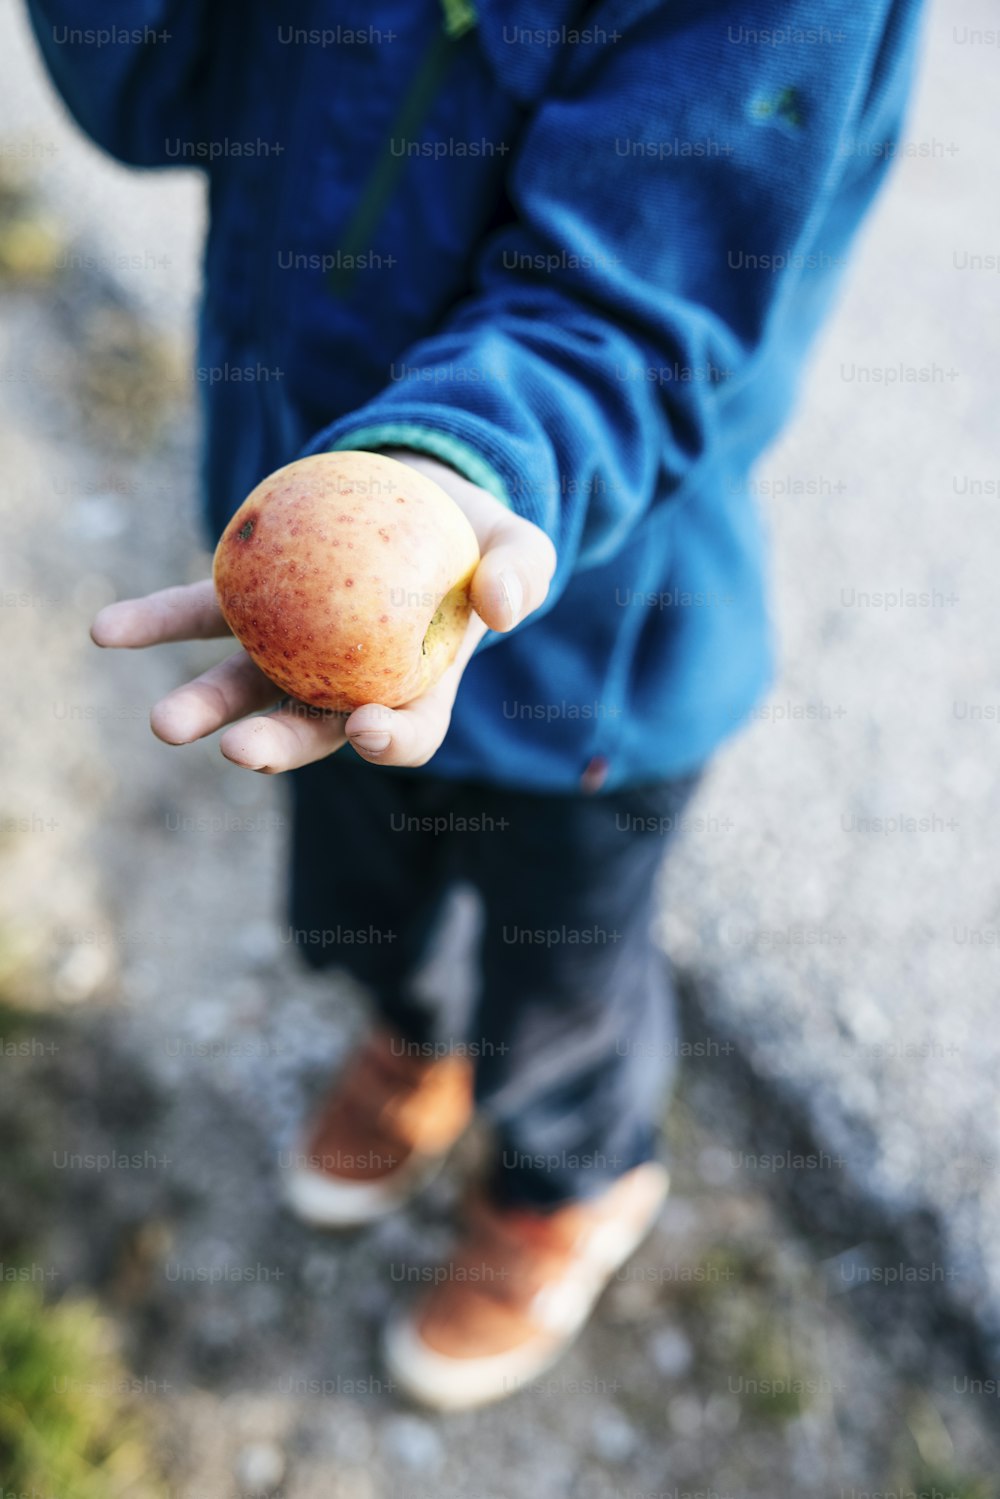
(403, 736)
(188, 612)
(295, 735)
(514, 573)
(226, 692)
(412, 734)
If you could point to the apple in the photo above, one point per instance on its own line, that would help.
(345, 577)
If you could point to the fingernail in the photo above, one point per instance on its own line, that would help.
(512, 590)
(245, 765)
(372, 742)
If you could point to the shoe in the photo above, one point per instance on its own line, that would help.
(383, 1132)
(518, 1290)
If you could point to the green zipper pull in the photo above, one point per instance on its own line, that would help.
(459, 18)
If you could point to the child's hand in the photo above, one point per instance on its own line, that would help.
(511, 581)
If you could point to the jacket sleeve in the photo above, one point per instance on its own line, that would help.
(131, 72)
(670, 196)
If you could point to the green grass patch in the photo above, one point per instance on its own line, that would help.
(70, 1422)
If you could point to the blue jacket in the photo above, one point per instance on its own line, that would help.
(577, 252)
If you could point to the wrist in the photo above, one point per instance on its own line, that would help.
(454, 483)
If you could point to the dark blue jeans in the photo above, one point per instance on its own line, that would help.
(572, 1026)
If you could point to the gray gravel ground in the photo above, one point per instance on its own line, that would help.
(849, 922)
(143, 229)
(795, 1326)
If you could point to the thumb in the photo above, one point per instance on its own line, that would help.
(514, 573)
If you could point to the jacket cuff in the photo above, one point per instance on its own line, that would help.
(467, 442)
(450, 449)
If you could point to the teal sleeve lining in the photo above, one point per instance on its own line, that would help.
(459, 455)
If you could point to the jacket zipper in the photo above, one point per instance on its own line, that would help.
(459, 19)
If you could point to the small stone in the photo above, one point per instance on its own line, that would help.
(373, 1300)
(319, 1273)
(630, 1299)
(81, 973)
(715, 1166)
(671, 1352)
(258, 942)
(351, 1439)
(414, 1443)
(722, 1414)
(260, 1467)
(680, 1215)
(97, 518)
(218, 1332)
(615, 1439)
(685, 1415)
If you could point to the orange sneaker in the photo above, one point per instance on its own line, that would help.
(382, 1133)
(518, 1290)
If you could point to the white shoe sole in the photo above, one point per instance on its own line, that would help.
(325, 1201)
(451, 1384)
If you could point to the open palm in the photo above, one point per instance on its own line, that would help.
(516, 566)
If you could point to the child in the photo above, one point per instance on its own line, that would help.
(566, 261)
